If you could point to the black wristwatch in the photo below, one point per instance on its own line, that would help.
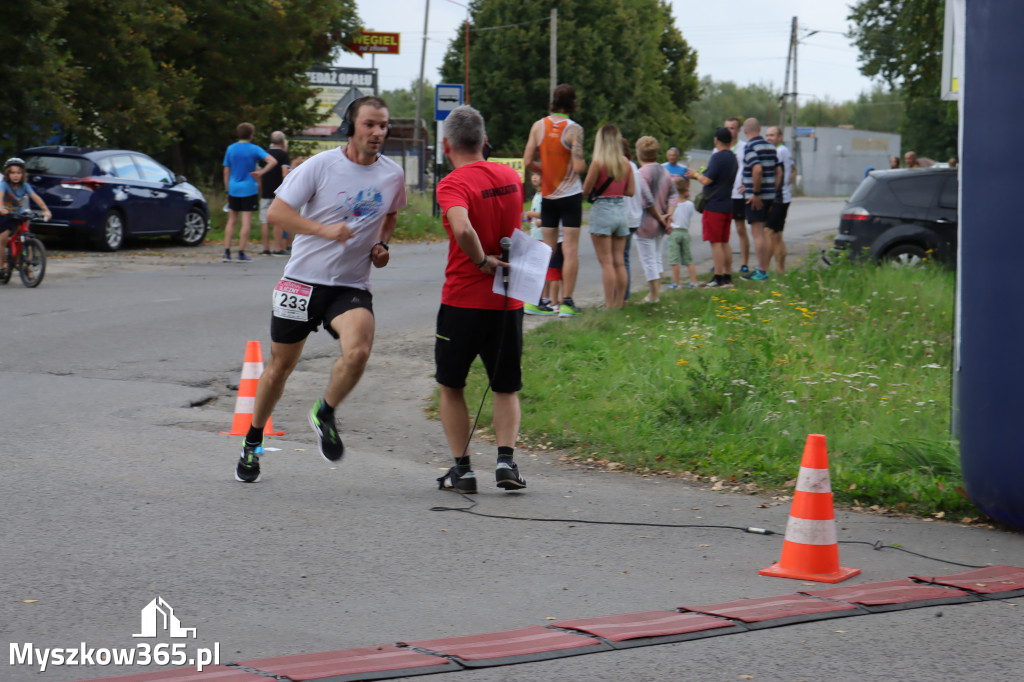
(384, 244)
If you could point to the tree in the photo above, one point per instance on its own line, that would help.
(723, 99)
(402, 104)
(627, 61)
(169, 77)
(901, 42)
(35, 75)
(124, 95)
(880, 110)
(250, 57)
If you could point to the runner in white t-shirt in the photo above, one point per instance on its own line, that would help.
(342, 207)
(780, 207)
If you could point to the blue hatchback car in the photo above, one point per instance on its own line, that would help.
(106, 195)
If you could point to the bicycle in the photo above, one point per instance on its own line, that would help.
(25, 252)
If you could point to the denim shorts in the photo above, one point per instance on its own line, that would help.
(608, 217)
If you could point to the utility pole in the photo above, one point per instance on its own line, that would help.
(785, 88)
(419, 88)
(792, 119)
(554, 51)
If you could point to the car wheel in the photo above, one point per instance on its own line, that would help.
(111, 235)
(195, 228)
(906, 255)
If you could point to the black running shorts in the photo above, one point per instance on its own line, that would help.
(244, 203)
(567, 211)
(494, 335)
(325, 304)
(739, 209)
(777, 216)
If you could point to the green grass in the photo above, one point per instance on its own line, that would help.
(415, 222)
(729, 383)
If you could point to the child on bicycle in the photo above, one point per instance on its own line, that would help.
(15, 192)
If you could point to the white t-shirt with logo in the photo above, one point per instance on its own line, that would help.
(330, 188)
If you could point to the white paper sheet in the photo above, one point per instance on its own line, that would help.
(528, 267)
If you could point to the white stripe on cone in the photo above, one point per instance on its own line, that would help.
(813, 481)
(808, 532)
(245, 405)
(252, 370)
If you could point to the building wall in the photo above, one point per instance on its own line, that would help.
(832, 161)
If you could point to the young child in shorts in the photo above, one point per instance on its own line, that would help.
(678, 243)
(551, 298)
(15, 193)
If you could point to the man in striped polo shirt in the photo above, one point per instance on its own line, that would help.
(759, 161)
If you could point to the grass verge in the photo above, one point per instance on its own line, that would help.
(728, 384)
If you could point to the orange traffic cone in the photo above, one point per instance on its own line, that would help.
(810, 550)
(252, 368)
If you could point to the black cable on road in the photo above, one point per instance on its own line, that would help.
(878, 545)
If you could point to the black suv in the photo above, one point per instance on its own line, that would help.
(904, 216)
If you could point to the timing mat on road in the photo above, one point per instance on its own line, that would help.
(589, 635)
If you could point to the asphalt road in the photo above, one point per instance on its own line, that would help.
(117, 488)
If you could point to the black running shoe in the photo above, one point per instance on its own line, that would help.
(507, 475)
(248, 468)
(460, 483)
(331, 447)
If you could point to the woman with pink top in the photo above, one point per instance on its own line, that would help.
(611, 177)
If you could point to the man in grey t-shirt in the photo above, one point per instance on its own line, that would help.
(342, 206)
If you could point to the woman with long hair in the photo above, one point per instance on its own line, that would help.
(611, 177)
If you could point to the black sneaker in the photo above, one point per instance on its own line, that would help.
(248, 467)
(331, 447)
(744, 270)
(507, 475)
(460, 483)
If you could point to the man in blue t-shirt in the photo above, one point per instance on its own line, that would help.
(718, 212)
(672, 164)
(241, 172)
(759, 161)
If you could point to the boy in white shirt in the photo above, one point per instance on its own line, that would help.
(678, 243)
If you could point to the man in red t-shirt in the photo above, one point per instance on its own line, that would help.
(481, 202)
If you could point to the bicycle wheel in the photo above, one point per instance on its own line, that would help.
(5, 266)
(33, 263)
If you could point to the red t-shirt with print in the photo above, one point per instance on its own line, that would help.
(492, 193)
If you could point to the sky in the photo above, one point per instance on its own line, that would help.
(746, 46)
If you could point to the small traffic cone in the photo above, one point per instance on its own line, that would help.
(810, 550)
(252, 368)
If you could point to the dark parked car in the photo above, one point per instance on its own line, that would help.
(903, 216)
(105, 195)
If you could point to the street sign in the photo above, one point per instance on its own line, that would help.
(337, 87)
(447, 96)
